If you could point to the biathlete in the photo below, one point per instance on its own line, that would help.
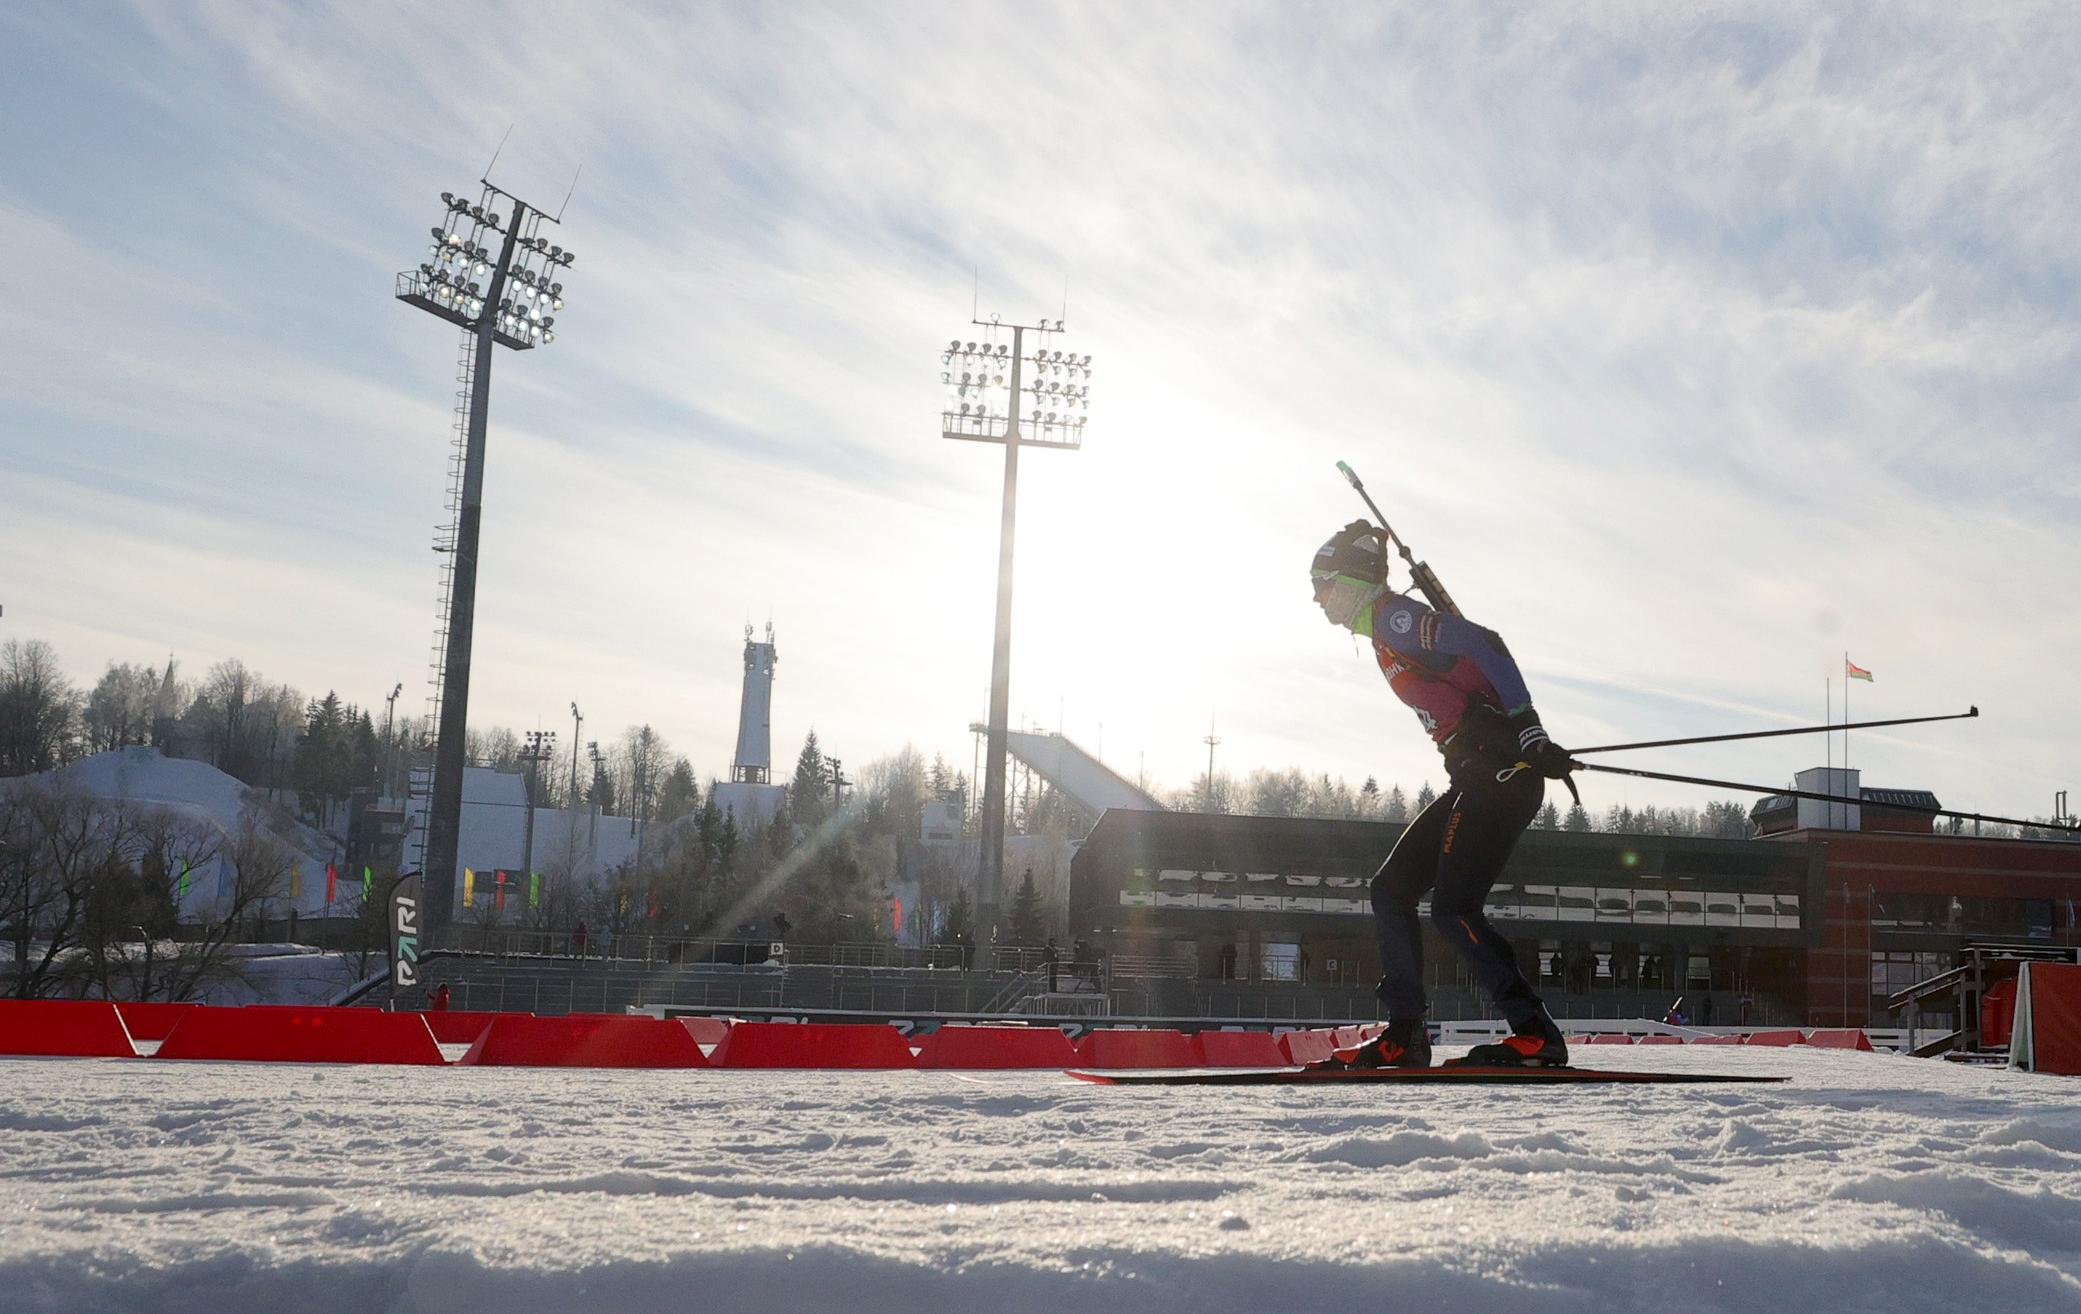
(1464, 687)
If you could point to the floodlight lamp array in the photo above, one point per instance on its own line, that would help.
(1058, 393)
(460, 260)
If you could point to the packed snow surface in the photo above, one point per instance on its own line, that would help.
(1870, 1182)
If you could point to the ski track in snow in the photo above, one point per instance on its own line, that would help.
(1870, 1183)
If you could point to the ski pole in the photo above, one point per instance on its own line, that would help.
(1420, 571)
(1807, 793)
(1768, 734)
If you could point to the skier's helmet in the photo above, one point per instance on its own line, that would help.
(1353, 553)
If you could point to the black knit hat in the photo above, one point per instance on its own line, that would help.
(1356, 551)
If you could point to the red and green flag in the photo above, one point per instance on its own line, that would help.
(1852, 671)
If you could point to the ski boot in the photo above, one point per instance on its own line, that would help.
(1537, 1043)
(1402, 1045)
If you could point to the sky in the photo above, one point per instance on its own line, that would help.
(1695, 347)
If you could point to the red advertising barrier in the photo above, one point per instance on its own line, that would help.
(997, 1047)
(1657, 1038)
(1610, 1038)
(1118, 1048)
(1718, 1040)
(69, 1028)
(151, 1021)
(1839, 1038)
(462, 1026)
(707, 1030)
(812, 1045)
(2048, 1020)
(520, 1040)
(1237, 1049)
(1776, 1038)
(302, 1035)
(1350, 1037)
(1305, 1047)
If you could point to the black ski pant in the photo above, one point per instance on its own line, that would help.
(1455, 848)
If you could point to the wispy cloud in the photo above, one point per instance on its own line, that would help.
(1693, 347)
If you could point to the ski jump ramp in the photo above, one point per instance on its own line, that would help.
(1089, 783)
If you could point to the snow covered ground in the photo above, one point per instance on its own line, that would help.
(1870, 1183)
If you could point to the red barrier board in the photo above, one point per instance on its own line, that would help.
(462, 1026)
(1610, 1038)
(2048, 1020)
(1777, 1039)
(516, 1040)
(1118, 1048)
(1839, 1038)
(69, 1028)
(707, 1030)
(1237, 1049)
(997, 1047)
(813, 1045)
(1657, 1038)
(1717, 1040)
(151, 1021)
(302, 1035)
(1350, 1037)
(1305, 1047)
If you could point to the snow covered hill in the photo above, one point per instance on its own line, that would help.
(196, 791)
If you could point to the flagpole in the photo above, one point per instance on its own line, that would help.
(1846, 711)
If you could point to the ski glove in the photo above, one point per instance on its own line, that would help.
(1550, 760)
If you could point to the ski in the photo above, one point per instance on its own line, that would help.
(1451, 1075)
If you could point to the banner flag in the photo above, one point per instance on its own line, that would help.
(534, 889)
(498, 891)
(332, 884)
(296, 881)
(469, 887)
(1852, 671)
(368, 884)
(404, 932)
(896, 916)
(184, 878)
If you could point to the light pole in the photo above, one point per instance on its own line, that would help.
(991, 386)
(506, 299)
(390, 745)
(541, 747)
(577, 722)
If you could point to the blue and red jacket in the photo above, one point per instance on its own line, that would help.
(1453, 674)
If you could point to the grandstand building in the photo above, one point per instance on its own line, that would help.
(1809, 923)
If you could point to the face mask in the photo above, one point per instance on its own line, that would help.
(1342, 598)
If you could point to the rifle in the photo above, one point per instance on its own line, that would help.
(1420, 571)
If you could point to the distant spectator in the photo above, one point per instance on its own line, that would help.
(781, 926)
(437, 999)
(1748, 1001)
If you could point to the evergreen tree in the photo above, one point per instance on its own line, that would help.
(1029, 922)
(680, 795)
(1396, 809)
(1578, 821)
(809, 796)
(1425, 796)
(1549, 817)
(959, 927)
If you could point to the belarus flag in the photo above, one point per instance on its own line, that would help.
(1852, 671)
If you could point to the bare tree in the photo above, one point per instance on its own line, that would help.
(223, 711)
(255, 870)
(37, 708)
(54, 844)
(119, 710)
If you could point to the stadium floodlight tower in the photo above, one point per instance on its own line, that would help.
(511, 297)
(1024, 393)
